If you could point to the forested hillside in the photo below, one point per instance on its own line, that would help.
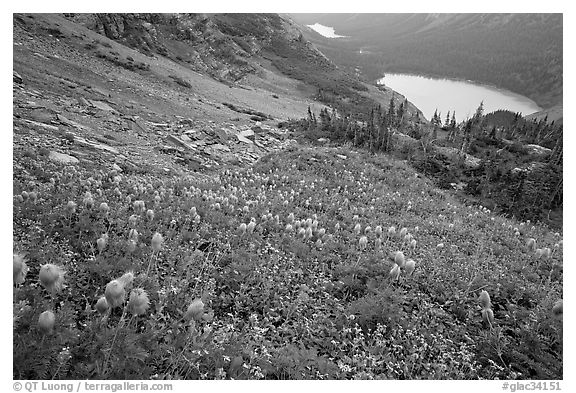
(519, 52)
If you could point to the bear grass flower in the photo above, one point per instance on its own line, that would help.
(51, 277)
(403, 232)
(115, 293)
(157, 241)
(46, 322)
(399, 259)
(488, 316)
(558, 308)
(363, 242)
(104, 209)
(250, 227)
(71, 207)
(395, 272)
(102, 305)
(101, 243)
(19, 268)
(132, 220)
(138, 302)
(484, 299)
(126, 279)
(314, 225)
(133, 234)
(531, 244)
(131, 245)
(195, 310)
(88, 201)
(410, 266)
(139, 206)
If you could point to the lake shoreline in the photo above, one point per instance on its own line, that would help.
(430, 93)
(431, 75)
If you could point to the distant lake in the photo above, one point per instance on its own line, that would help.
(325, 31)
(430, 94)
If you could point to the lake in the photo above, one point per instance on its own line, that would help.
(325, 31)
(430, 94)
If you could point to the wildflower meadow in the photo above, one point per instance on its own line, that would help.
(314, 263)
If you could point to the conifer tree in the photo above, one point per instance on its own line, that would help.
(391, 112)
(400, 112)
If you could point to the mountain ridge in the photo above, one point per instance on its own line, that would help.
(237, 49)
(519, 52)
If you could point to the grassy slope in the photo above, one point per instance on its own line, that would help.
(283, 306)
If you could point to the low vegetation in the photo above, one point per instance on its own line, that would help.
(519, 162)
(316, 263)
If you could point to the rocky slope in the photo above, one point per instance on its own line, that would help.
(176, 93)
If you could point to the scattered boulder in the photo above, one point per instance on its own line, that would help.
(62, 158)
(16, 78)
(95, 145)
(102, 105)
(248, 134)
(537, 149)
(43, 125)
(242, 138)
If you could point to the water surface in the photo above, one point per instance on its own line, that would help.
(325, 31)
(464, 97)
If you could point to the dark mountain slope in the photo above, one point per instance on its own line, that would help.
(520, 52)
